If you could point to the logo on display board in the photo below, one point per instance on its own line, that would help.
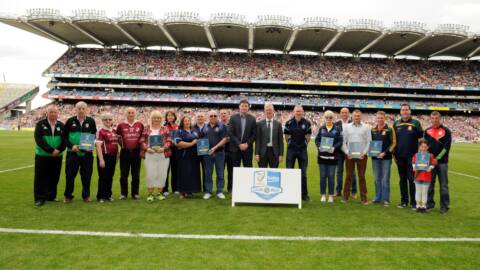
(266, 184)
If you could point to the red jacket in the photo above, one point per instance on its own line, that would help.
(425, 176)
(167, 141)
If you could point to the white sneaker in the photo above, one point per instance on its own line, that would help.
(207, 196)
(221, 196)
(323, 199)
(166, 193)
(176, 193)
(330, 198)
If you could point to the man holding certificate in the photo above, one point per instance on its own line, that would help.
(79, 136)
(214, 135)
(356, 142)
(381, 148)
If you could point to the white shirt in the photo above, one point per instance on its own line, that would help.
(357, 133)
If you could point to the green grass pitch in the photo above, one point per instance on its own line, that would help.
(196, 216)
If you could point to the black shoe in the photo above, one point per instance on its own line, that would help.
(402, 205)
(305, 198)
(443, 211)
(53, 200)
(39, 203)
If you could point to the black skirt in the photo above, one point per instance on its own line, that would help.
(188, 170)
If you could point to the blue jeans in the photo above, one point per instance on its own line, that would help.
(381, 172)
(219, 161)
(440, 171)
(327, 173)
(340, 169)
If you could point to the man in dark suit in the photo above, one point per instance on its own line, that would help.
(269, 140)
(241, 130)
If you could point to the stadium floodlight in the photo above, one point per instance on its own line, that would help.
(365, 24)
(182, 17)
(409, 26)
(274, 20)
(43, 13)
(452, 29)
(136, 16)
(90, 15)
(228, 18)
(320, 22)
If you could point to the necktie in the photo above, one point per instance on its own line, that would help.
(269, 130)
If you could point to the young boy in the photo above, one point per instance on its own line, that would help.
(423, 175)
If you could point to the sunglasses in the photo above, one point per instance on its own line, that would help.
(107, 119)
(213, 116)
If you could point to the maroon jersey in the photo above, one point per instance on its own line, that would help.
(130, 135)
(109, 141)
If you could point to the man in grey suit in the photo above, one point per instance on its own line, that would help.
(241, 131)
(269, 140)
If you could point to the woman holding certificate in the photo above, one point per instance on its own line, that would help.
(329, 142)
(188, 167)
(155, 145)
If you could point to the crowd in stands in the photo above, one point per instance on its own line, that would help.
(464, 128)
(413, 73)
(260, 98)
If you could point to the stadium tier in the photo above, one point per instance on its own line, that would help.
(12, 95)
(222, 79)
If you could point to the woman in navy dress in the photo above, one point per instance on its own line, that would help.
(188, 167)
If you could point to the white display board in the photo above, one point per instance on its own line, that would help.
(265, 185)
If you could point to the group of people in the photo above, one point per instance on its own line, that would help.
(234, 140)
(151, 63)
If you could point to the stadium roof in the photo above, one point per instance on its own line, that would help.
(11, 95)
(232, 31)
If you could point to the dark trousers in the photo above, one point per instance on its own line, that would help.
(407, 186)
(172, 173)
(47, 175)
(269, 159)
(302, 157)
(440, 171)
(229, 166)
(245, 157)
(74, 163)
(361, 165)
(130, 160)
(105, 177)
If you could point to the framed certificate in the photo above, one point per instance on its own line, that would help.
(202, 147)
(422, 161)
(355, 149)
(375, 148)
(155, 140)
(87, 142)
(326, 144)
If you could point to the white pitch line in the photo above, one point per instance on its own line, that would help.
(16, 169)
(241, 237)
(463, 174)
